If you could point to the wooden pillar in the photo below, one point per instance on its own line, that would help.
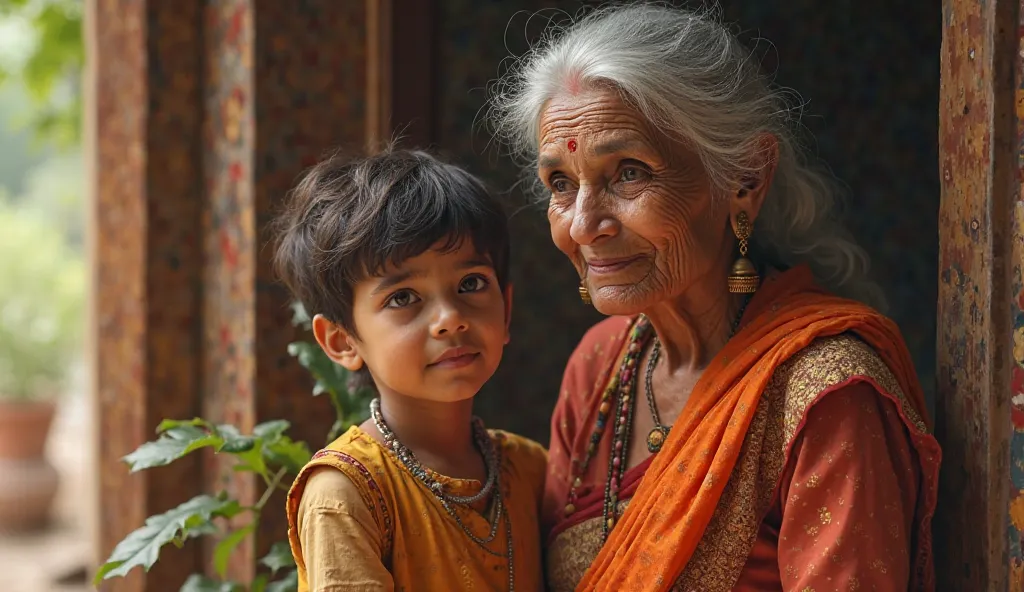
(205, 113)
(980, 418)
(284, 84)
(147, 206)
(401, 69)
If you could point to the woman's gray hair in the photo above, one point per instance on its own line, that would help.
(690, 77)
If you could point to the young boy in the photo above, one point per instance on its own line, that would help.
(403, 261)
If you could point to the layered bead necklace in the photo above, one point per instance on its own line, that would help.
(492, 461)
(620, 396)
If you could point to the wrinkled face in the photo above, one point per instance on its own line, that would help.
(632, 210)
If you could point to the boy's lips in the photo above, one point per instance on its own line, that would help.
(456, 357)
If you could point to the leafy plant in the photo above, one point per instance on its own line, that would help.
(51, 70)
(268, 452)
(41, 304)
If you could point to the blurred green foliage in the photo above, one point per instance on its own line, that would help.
(51, 68)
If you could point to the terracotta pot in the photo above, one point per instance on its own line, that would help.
(28, 482)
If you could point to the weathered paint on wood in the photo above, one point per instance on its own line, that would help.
(205, 114)
(146, 305)
(979, 253)
(1015, 286)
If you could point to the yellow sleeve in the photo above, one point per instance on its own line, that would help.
(341, 543)
(532, 461)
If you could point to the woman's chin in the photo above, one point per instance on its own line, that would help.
(619, 301)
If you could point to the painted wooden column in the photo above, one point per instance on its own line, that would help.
(284, 84)
(146, 122)
(205, 113)
(980, 418)
(401, 70)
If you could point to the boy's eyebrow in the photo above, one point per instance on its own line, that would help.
(389, 281)
(480, 262)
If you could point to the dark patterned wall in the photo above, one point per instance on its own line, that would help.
(869, 70)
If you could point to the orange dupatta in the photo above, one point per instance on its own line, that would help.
(650, 546)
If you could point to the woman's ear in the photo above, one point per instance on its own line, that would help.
(754, 188)
(337, 343)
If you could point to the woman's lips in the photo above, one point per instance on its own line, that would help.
(607, 266)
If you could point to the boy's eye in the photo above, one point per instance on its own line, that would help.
(473, 283)
(401, 299)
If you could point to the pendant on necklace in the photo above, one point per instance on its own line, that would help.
(656, 438)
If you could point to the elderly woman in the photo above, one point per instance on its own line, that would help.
(744, 420)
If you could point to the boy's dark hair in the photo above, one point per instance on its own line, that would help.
(348, 219)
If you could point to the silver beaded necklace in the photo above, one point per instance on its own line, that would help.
(492, 462)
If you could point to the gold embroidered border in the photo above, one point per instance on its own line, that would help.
(790, 393)
(572, 551)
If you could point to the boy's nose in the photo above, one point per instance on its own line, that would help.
(449, 320)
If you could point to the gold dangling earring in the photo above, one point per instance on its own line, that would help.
(743, 279)
(584, 292)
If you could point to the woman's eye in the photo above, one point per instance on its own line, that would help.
(631, 174)
(473, 283)
(401, 299)
(560, 185)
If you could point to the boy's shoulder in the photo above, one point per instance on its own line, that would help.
(526, 461)
(353, 454)
(520, 450)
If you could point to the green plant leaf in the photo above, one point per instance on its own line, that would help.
(289, 583)
(142, 547)
(287, 453)
(330, 377)
(337, 428)
(259, 583)
(198, 422)
(271, 430)
(200, 583)
(174, 442)
(226, 546)
(234, 442)
(300, 318)
(252, 460)
(279, 557)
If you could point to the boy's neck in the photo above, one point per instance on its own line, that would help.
(430, 428)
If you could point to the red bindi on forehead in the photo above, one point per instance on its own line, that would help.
(572, 145)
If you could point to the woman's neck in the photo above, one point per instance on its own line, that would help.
(694, 326)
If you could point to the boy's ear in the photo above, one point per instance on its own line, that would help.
(508, 311)
(336, 342)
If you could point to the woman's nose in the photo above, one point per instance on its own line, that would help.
(591, 220)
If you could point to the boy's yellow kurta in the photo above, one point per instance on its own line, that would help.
(370, 525)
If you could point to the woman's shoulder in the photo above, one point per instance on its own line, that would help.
(831, 361)
(832, 365)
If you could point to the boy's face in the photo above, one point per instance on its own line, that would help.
(432, 328)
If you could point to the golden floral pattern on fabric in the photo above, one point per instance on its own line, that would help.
(829, 362)
(572, 552)
(793, 388)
